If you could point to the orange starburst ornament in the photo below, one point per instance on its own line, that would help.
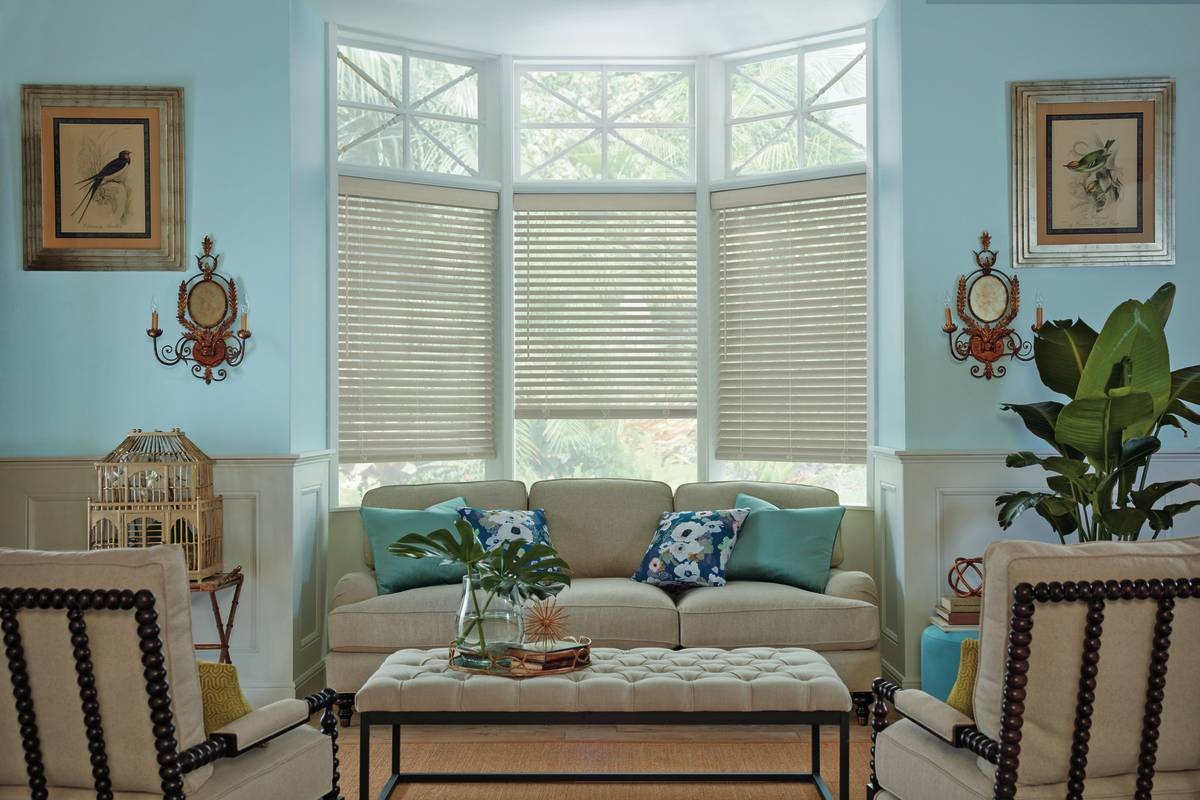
(545, 621)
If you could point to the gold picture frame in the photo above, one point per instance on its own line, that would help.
(1093, 172)
(103, 175)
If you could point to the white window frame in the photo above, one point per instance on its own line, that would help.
(732, 179)
(499, 160)
(604, 126)
(485, 177)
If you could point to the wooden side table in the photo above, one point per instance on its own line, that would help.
(211, 586)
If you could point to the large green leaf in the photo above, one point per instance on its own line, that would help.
(1133, 455)
(1132, 341)
(1185, 384)
(1094, 425)
(1061, 351)
(1181, 409)
(1162, 301)
(1125, 522)
(1147, 497)
(1039, 419)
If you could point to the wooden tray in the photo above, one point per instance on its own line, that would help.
(519, 665)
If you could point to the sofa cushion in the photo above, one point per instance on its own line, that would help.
(383, 527)
(499, 526)
(691, 548)
(785, 545)
(601, 526)
(614, 612)
(755, 614)
(482, 494)
(723, 494)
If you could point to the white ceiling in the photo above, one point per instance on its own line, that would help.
(587, 28)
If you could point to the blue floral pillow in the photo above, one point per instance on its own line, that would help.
(497, 526)
(691, 548)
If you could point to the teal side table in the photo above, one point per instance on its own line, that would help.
(939, 659)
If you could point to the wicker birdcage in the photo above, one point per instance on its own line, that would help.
(157, 488)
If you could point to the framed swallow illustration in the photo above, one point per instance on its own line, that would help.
(1093, 172)
(103, 177)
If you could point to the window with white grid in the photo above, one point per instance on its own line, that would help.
(798, 109)
(792, 339)
(402, 111)
(416, 346)
(605, 123)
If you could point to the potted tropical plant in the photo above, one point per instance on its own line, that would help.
(496, 584)
(1122, 394)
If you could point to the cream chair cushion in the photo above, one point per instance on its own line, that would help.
(1057, 648)
(112, 637)
(601, 527)
(915, 765)
(480, 494)
(723, 494)
(614, 612)
(758, 614)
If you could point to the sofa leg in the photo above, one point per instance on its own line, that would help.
(862, 705)
(345, 704)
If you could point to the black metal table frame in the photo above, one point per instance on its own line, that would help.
(813, 719)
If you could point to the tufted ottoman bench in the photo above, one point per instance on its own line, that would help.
(645, 686)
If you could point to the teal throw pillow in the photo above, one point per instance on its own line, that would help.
(383, 526)
(792, 546)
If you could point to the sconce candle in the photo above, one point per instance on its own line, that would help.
(208, 308)
(988, 301)
(154, 314)
(1041, 314)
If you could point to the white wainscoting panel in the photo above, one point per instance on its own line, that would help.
(275, 519)
(934, 506)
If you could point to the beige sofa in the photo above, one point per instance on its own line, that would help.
(602, 528)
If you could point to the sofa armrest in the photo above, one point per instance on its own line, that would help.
(851, 585)
(932, 714)
(353, 587)
(264, 723)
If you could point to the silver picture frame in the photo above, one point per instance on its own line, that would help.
(1152, 239)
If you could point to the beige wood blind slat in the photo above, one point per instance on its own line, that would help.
(415, 323)
(792, 338)
(605, 304)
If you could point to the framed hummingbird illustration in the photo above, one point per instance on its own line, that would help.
(1093, 172)
(103, 177)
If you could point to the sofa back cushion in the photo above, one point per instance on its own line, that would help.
(1056, 653)
(723, 494)
(601, 526)
(116, 667)
(480, 494)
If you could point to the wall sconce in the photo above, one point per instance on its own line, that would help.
(207, 310)
(988, 301)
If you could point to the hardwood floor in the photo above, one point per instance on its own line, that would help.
(624, 748)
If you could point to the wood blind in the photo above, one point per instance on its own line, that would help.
(605, 304)
(792, 377)
(415, 323)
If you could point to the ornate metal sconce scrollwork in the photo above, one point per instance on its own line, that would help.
(988, 301)
(207, 310)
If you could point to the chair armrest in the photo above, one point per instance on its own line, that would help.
(264, 723)
(851, 585)
(353, 587)
(932, 714)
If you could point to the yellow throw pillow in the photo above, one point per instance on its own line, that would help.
(963, 690)
(222, 696)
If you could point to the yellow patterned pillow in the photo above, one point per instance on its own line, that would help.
(963, 690)
(222, 696)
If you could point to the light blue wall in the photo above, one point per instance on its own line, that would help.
(956, 61)
(310, 221)
(76, 366)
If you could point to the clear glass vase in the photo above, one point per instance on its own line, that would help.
(487, 624)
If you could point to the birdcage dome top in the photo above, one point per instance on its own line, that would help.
(156, 446)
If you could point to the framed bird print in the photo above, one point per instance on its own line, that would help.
(103, 177)
(1093, 172)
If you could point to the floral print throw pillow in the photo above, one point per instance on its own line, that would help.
(691, 548)
(495, 527)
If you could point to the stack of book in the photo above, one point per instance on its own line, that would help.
(956, 613)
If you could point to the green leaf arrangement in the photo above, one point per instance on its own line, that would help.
(514, 569)
(1122, 394)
